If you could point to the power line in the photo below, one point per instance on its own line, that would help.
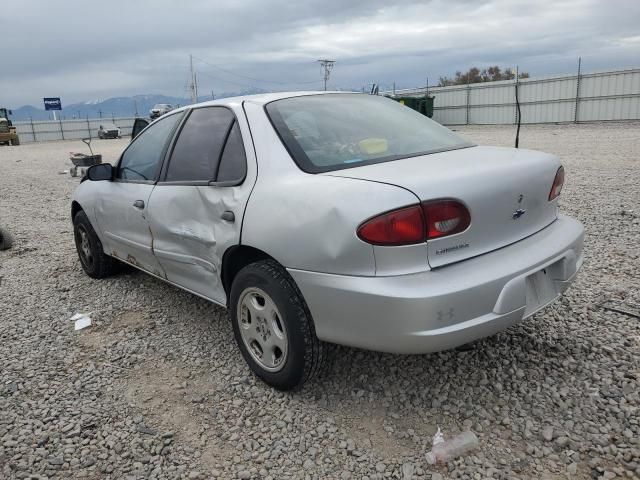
(232, 82)
(261, 80)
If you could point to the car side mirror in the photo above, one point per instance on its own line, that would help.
(102, 171)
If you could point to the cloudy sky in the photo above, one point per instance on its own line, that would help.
(85, 49)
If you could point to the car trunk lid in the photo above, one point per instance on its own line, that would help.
(505, 190)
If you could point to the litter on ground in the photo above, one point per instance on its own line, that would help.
(82, 320)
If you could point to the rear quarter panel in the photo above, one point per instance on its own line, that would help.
(307, 221)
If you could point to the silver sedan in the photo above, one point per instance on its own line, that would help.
(336, 217)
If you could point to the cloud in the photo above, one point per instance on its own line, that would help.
(87, 49)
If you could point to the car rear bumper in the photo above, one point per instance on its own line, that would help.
(448, 306)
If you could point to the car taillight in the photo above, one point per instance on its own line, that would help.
(445, 217)
(558, 182)
(416, 224)
(399, 227)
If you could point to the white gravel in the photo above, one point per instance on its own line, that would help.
(156, 388)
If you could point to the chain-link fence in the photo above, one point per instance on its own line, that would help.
(42, 131)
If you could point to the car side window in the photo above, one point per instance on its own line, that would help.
(143, 157)
(197, 150)
(233, 164)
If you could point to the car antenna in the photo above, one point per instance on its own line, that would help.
(518, 111)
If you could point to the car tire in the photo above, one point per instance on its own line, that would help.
(15, 142)
(282, 323)
(94, 261)
(6, 240)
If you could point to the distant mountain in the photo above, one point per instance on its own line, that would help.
(116, 107)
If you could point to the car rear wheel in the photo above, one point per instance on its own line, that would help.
(273, 327)
(92, 257)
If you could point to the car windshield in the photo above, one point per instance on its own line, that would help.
(334, 131)
(160, 106)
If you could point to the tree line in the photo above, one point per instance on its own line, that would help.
(475, 75)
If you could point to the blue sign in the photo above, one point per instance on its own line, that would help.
(52, 103)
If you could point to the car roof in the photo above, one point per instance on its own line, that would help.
(260, 99)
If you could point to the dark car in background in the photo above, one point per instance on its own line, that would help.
(159, 109)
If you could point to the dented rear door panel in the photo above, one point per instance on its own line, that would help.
(190, 235)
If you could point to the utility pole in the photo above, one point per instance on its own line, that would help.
(327, 65)
(194, 84)
(213, 97)
(577, 106)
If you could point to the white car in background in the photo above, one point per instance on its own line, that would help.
(159, 109)
(332, 217)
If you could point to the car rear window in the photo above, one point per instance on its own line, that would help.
(334, 131)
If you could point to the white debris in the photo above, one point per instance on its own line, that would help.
(438, 437)
(82, 320)
(443, 451)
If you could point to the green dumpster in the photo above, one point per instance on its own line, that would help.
(424, 105)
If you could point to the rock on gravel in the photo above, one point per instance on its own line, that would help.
(156, 388)
(547, 433)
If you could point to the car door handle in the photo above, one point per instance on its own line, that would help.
(228, 216)
(139, 204)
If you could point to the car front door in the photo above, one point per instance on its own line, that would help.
(121, 209)
(195, 211)
(139, 124)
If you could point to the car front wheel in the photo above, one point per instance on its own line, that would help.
(273, 326)
(92, 257)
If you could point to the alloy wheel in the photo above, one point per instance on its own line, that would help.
(262, 329)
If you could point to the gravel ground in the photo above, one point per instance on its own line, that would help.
(156, 388)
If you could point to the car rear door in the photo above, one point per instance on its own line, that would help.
(196, 209)
(121, 209)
